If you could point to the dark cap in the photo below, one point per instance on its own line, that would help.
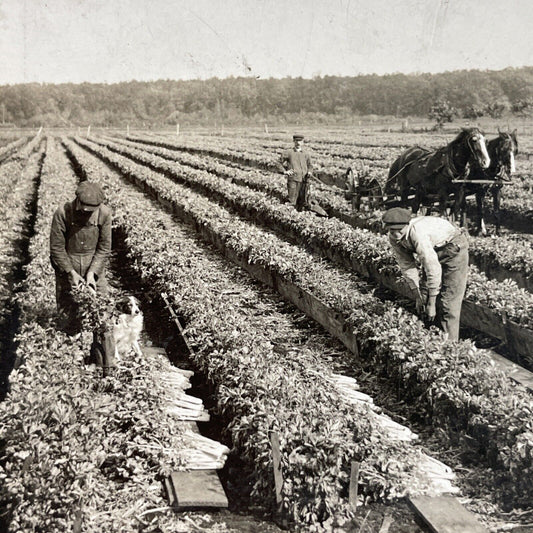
(297, 137)
(90, 195)
(397, 217)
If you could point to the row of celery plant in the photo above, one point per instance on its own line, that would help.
(259, 388)
(355, 246)
(457, 384)
(510, 253)
(78, 452)
(18, 179)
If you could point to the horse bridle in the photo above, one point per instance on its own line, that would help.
(502, 167)
(453, 170)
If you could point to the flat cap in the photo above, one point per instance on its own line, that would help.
(396, 217)
(297, 137)
(90, 195)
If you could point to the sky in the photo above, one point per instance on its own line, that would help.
(109, 41)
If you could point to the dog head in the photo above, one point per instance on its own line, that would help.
(129, 305)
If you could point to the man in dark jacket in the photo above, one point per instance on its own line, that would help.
(80, 242)
(297, 167)
(442, 250)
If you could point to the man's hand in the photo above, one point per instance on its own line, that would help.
(75, 279)
(431, 310)
(91, 280)
(289, 172)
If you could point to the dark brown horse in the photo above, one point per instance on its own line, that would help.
(431, 172)
(502, 151)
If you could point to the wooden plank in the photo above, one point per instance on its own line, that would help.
(385, 525)
(331, 321)
(278, 475)
(153, 350)
(197, 489)
(472, 315)
(516, 372)
(354, 481)
(445, 514)
(172, 501)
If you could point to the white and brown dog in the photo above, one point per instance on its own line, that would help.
(128, 327)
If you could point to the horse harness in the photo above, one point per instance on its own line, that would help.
(447, 167)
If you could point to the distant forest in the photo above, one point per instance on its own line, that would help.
(467, 93)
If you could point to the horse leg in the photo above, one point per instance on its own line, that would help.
(464, 216)
(416, 201)
(496, 202)
(457, 205)
(480, 223)
(462, 210)
(443, 196)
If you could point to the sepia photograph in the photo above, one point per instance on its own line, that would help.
(266, 266)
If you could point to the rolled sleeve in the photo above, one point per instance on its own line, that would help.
(103, 247)
(430, 261)
(58, 251)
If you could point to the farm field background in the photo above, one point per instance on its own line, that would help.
(204, 217)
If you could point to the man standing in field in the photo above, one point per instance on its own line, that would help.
(296, 165)
(80, 242)
(442, 249)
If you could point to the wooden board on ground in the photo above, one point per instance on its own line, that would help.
(516, 372)
(196, 489)
(445, 514)
(153, 350)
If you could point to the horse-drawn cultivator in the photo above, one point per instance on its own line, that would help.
(421, 178)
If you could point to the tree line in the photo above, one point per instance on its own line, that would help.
(468, 93)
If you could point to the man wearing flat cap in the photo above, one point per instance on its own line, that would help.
(296, 165)
(80, 242)
(442, 250)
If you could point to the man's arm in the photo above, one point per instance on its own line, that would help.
(284, 162)
(407, 264)
(58, 244)
(429, 259)
(103, 248)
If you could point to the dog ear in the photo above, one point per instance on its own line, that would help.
(123, 306)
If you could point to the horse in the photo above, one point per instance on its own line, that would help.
(502, 151)
(430, 172)
(358, 185)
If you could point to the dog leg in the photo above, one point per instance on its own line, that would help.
(137, 348)
(117, 355)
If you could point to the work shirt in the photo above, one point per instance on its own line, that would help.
(300, 162)
(78, 241)
(421, 237)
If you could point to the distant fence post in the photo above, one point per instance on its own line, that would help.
(266, 128)
(88, 130)
(177, 129)
(128, 129)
